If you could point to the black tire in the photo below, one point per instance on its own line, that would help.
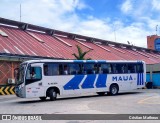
(101, 93)
(52, 94)
(43, 98)
(108, 93)
(113, 90)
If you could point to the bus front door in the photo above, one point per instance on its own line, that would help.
(34, 87)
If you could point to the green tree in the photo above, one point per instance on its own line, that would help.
(81, 54)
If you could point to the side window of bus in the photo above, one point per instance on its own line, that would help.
(89, 68)
(125, 68)
(74, 69)
(104, 69)
(51, 69)
(121, 68)
(139, 68)
(60, 69)
(33, 74)
(114, 68)
(65, 69)
(95, 69)
(131, 68)
(111, 69)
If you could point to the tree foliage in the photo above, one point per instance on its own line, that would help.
(81, 54)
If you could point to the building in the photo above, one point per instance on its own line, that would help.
(153, 42)
(22, 41)
(153, 74)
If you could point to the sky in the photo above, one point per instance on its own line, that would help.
(113, 20)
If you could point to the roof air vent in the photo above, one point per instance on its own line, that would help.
(23, 27)
(34, 36)
(2, 33)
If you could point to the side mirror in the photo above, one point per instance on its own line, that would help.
(16, 70)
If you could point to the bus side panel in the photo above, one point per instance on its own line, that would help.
(60, 82)
(124, 81)
(35, 90)
(101, 84)
(141, 77)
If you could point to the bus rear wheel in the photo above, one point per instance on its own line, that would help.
(43, 98)
(101, 93)
(52, 94)
(113, 90)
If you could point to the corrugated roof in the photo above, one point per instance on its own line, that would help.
(32, 43)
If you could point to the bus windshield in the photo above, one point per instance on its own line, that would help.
(20, 74)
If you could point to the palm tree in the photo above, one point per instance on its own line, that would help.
(81, 54)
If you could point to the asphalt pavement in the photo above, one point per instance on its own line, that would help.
(141, 101)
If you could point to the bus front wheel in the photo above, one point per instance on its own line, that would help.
(114, 89)
(52, 94)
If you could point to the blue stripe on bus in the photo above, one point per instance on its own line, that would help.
(90, 61)
(139, 78)
(78, 61)
(84, 61)
(142, 79)
(101, 81)
(73, 83)
(89, 81)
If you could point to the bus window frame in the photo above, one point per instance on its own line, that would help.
(79, 65)
(121, 71)
(84, 72)
(61, 71)
(29, 81)
(141, 64)
(51, 63)
(100, 66)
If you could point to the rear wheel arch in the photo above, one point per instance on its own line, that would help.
(57, 90)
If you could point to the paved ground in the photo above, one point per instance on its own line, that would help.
(146, 101)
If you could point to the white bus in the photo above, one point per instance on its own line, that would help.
(47, 78)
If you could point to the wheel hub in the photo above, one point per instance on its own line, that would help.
(114, 90)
